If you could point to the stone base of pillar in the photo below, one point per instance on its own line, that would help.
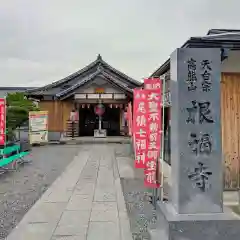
(212, 226)
(100, 133)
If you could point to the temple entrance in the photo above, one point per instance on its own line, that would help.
(111, 121)
(88, 121)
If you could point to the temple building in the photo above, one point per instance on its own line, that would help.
(97, 85)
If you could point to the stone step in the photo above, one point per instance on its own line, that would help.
(158, 234)
(70, 130)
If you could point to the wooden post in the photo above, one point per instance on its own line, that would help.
(72, 129)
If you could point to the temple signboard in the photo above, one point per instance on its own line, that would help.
(167, 99)
(38, 126)
(99, 90)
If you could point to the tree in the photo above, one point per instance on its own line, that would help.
(18, 108)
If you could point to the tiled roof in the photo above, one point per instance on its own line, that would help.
(98, 63)
(215, 38)
(16, 88)
(101, 73)
(217, 31)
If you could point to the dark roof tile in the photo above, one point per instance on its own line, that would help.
(215, 38)
(98, 63)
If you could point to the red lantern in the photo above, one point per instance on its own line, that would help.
(99, 109)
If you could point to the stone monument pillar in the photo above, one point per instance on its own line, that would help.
(195, 208)
(196, 151)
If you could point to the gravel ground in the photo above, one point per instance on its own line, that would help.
(140, 211)
(20, 190)
(137, 198)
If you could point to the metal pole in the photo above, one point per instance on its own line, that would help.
(160, 163)
(100, 123)
(155, 190)
(162, 145)
(72, 129)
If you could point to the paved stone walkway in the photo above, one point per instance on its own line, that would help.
(85, 203)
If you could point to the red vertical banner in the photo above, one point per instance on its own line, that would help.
(2, 121)
(152, 83)
(154, 129)
(140, 127)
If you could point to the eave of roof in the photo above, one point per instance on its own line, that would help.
(219, 30)
(116, 81)
(123, 75)
(200, 42)
(63, 80)
(79, 84)
(16, 88)
(98, 61)
(112, 80)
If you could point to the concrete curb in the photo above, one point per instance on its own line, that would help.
(124, 222)
(78, 142)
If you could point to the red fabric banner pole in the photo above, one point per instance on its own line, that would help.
(139, 127)
(3, 121)
(154, 132)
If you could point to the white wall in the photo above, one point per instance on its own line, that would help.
(232, 63)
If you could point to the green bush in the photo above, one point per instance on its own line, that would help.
(18, 108)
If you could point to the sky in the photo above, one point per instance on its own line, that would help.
(42, 41)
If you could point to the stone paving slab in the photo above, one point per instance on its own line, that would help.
(73, 223)
(104, 212)
(105, 194)
(85, 203)
(46, 213)
(125, 167)
(33, 231)
(103, 231)
(84, 189)
(80, 202)
(59, 196)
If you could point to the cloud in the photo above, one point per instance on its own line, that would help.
(42, 40)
